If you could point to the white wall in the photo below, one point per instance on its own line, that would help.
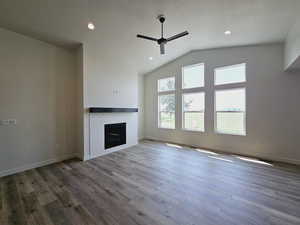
(292, 48)
(272, 104)
(37, 88)
(108, 81)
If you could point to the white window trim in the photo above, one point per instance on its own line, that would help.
(164, 78)
(230, 66)
(245, 112)
(160, 93)
(192, 90)
(182, 113)
(182, 75)
(158, 113)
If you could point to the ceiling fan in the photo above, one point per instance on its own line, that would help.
(162, 41)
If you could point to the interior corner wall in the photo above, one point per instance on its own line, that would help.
(37, 88)
(141, 113)
(80, 103)
(272, 98)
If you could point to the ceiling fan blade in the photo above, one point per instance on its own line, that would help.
(162, 48)
(177, 36)
(146, 37)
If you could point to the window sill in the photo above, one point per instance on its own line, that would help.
(195, 131)
(163, 128)
(232, 134)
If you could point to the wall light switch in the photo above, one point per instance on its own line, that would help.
(116, 91)
(12, 122)
(8, 122)
(4, 122)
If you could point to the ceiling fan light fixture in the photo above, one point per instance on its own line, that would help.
(227, 32)
(163, 41)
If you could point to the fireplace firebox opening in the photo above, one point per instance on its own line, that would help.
(115, 135)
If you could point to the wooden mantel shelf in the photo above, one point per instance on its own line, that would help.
(111, 110)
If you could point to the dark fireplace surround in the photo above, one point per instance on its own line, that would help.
(115, 135)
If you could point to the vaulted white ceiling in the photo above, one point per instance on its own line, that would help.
(64, 23)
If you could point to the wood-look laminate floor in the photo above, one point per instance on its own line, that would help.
(153, 184)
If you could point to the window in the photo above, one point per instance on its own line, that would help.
(230, 99)
(193, 111)
(193, 97)
(166, 84)
(193, 76)
(166, 103)
(230, 74)
(167, 111)
(230, 106)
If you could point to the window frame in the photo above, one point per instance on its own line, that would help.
(245, 113)
(165, 78)
(162, 93)
(183, 112)
(192, 90)
(230, 86)
(230, 66)
(182, 76)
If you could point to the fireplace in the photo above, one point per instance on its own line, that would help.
(115, 134)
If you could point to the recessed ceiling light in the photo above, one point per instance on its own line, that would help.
(150, 58)
(227, 32)
(91, 26)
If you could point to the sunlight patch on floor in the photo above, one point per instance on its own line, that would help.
(253, 160)
(173, 145)
(205, 151)
(219, 158)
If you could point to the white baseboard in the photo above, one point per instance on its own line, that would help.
(115, 149)
(261, 156)
(36, 165)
